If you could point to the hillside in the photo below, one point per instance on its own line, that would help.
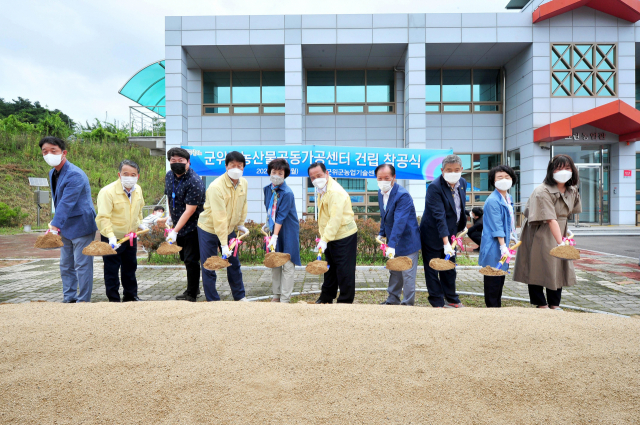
(20, 157)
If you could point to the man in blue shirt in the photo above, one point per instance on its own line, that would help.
(399, 224)
(74, 220)
(186, 194)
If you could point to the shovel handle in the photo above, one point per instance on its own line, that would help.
(126, 238)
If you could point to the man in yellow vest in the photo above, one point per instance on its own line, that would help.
(225, 208)
(338, 236)
(120, 214)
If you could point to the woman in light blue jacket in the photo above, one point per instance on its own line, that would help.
(498, 231)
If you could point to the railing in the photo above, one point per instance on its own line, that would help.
(146, 122)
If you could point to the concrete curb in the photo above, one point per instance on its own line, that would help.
(477, 294)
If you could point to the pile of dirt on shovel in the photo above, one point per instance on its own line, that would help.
(98, 248)
(566, 252)
(215, 263)
(317, 267)
(167, 248)
(49, 241)
(133, 363)
(492, 271)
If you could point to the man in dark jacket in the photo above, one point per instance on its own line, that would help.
(399, 224)
(475, 231)
(443, 218)
(74, 220)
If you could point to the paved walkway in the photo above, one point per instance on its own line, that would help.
(605, 282)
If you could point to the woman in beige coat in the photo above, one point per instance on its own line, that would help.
(545, 225)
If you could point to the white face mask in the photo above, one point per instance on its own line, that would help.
(276, 180)
(562, 176)
(128, 182)
(452, 178)
(320, 183)
(473, 217)
(158, 213)
(385, 186)
(53, 160)
(504, 184)
(235, 173)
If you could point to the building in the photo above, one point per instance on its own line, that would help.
(557, 77)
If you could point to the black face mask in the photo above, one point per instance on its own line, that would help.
(178, 168)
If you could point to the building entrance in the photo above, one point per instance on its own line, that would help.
(592, 162)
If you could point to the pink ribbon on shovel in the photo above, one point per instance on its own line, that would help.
(571, 241)
(238, 242)
(383, 247)
(51, 231)
(458, 240)
(131, 236)
(167, 231)
(512, 252)
(267, 239)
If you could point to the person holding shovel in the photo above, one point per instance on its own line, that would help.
(74, 220)
(544, 228)
(338, 236)
(120, 214)
(282, 220)
(186, 195)
(225, 208)
(399, 224)
(498, 230)
(443, 218)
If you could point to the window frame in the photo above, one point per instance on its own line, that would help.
(594, 70)
(471, 193)
(232, 105)
(336, 104)
(442, 104)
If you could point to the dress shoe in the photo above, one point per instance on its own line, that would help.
(186, 297)
(131, 299)
(321, 301)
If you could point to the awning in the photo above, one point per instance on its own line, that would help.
(146, 88)
(629, 10)
(616, 117)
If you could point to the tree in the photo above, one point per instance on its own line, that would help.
(52, 125)
(28, 112)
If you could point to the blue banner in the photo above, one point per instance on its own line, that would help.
(341, 161)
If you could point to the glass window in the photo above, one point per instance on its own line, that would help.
(456, 85)
(246, 109)
(433, 85)
(273, 87)
(321, 109)
(466, 161)
(362, 192)
(456, 108)
(350, 86)
(273, 109)
(486, 108)
(217, 87)
(321, 87)
(486, 85)
(246, 86)
(216, 110)
(350, 108)
(380, 87)
(481, 182)
(432, 108)
(638, 84)
(485, 161)
(380, 108)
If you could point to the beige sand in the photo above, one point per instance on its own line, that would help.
(276, 259)
(317, 267)
(268, 363)
(49, 241)
(565, 252)
(166, 248)
(98, 248)
(492, 271)
(399, 264)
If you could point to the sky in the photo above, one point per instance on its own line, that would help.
(75, 55)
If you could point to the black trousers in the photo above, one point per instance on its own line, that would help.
(126, 263)
(493, 290)
(341, 256)
(536, 295)
(190, 255)
(476, 237)
(440, 287)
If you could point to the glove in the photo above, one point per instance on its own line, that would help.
(448, 250)
(504, 251)
(322, 245)
(391, 252)
(54, 229)
(379, 238)
(114, 242)
(563, 243)
(225, 251)
(243, 229)
(172, 237)
(273, 242)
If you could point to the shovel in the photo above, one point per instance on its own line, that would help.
(398, 264)
(567, 250)
(273, 259)
(441, 265)
(50, 240)
(168, 248)
(318, 266)
(100, 249)
(216, 263)
(497, 270)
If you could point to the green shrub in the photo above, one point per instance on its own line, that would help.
(52, 125)
(12, 126)
(11, 217)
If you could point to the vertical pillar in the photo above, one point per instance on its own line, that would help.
(622, 190)
(414, 115)
(175, 87)
(293, 115)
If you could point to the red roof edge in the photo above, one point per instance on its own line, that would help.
(628, 10)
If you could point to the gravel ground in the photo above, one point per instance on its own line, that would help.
(176, 362)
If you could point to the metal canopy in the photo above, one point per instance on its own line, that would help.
(146, 88)
(516, 4)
